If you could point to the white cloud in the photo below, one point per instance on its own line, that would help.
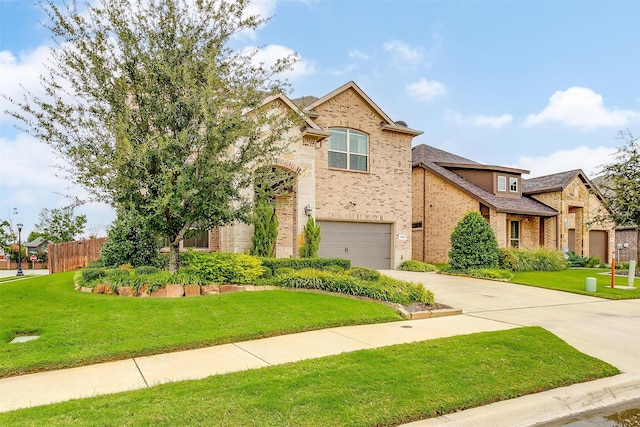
(24, 70)
(356, 54)
(271, 53)
(495, 122)
(583, 108)
(426, 89)
(402, 51)
(590, 160)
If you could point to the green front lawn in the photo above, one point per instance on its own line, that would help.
(78, 328)
(574, 280)
(382, 387)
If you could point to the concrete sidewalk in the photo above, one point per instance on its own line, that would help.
(27, 272)
(604, 329)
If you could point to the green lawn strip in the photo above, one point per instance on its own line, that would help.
(78, 328)
(384, 386)
(574, 280)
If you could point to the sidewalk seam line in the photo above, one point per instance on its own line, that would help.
(141, 374)
(253, 355)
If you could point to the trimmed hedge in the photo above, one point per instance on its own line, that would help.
(299, 263)
(366, 274)
(223, 267)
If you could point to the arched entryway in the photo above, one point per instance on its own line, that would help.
(281, 183)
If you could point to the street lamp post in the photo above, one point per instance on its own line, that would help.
(20, 273)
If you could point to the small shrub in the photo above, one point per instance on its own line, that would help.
(491, 273)
(90, 274)
(97, 263)
(284, 271)
(146, 269)
(130, 241)
(507, 259)
(266, 273)
(576, 260)
(415, 265)
(223, 267)
(593, 261)
(335, 269)
(367, 274)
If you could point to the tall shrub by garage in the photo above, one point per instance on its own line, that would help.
(265, 230)
(311, 239)
(473, 244)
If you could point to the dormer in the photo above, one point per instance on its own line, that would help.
(498, 180)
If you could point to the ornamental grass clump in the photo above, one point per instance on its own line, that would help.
(383, 289)
(522, 259)
(415, 265)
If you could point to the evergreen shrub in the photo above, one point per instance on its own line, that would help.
(415, 265)
(473, 244)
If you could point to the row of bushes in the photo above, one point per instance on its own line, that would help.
(202, 268)
(359, 282)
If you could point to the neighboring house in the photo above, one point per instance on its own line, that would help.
(38, 245)
(351, 165)
(533, 213)
(580, 205)
(626, 244)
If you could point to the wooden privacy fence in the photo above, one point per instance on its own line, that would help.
(69, 256)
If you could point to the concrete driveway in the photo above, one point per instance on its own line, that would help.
(608, 330)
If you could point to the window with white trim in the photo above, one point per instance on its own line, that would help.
(348, 149)
(513, 185)
(502, 183)
(514, 234)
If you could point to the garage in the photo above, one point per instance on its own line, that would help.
(598, 240)
(365, 244)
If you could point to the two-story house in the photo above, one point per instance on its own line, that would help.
(351, 169)
(535, 213)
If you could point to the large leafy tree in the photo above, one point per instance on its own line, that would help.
(155, 113)
(621, 183)
(7, 237)
(60, 225)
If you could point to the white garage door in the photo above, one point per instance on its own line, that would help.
(365, 244)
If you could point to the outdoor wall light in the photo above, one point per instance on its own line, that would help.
(308, 210)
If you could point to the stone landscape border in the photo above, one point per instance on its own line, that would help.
(179, 291)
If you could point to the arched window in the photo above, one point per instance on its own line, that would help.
(348, 149)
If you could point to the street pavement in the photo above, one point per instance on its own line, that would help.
(605, 329)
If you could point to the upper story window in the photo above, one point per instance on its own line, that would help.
(348, 149)
(513, 185)
(502, 183)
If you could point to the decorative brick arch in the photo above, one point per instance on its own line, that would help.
(287, 211)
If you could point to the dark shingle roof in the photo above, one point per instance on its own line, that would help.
(429, 157)
(548, 183)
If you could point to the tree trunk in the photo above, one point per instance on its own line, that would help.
(174, 258)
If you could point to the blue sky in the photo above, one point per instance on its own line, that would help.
(540, 85)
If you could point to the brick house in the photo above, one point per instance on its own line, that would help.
(539, 212)
(351, 165)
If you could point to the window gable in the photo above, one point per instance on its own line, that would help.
(502, 183)
(348, 149)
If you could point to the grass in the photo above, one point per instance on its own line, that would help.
(78, 328)
(574, 280)
(385, 386)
